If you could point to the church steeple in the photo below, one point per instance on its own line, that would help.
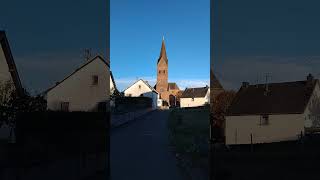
(162, 71)
(163, 53)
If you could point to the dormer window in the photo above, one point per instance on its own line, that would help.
(95, 80)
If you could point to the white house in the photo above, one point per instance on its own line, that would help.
(194, 97)
(273, 112)
(142, 88)
(83, 89)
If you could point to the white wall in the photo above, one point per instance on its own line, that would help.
(154, 97)
(135, 91)
(112, 87)
(280, 128)
(144, 90)
(79, 91)
(189, 102)
(312, 119)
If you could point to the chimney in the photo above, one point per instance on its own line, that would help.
(309, 77)
(309, 80)
(245, 84)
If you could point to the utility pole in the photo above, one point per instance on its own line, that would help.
(267, 77)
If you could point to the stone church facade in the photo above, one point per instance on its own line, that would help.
(168, 91)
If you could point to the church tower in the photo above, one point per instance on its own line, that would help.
(162, 71)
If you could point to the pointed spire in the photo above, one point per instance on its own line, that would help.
(163, 53)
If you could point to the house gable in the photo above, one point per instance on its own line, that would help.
(138, 88)
(312, 110)
(83, 89)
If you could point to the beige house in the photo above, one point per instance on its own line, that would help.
(83, 89)
(195, 97)
(273, 112)
(142, 88)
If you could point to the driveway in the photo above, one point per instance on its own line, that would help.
(140, 150)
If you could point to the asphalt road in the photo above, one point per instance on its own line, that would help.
(140, 150)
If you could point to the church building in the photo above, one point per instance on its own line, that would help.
(168, 90)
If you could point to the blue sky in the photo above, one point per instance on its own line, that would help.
(47, 38)
(136, 31)
(252, 38)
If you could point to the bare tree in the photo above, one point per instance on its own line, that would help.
(221, 105)
(11, 104)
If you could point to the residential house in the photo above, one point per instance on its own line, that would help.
(142, 88)
(194, 97)
(273, 112)
(83, 89)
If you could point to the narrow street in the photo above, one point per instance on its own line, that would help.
(140, 150)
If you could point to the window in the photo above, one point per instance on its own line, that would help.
(164, 71)
(192, 99)
(139, 86)
(129, 95)
(95, 80)
(65, 106)
(264, 120)
(159, 71)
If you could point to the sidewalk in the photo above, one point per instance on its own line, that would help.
(121, 119)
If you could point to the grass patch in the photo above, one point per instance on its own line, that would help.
(189, 132)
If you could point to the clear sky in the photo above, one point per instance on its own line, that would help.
(136, 31)
(253, 37)
(47, 38)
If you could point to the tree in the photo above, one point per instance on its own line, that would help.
(219, 109)
(11, 104)
(115, 96)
